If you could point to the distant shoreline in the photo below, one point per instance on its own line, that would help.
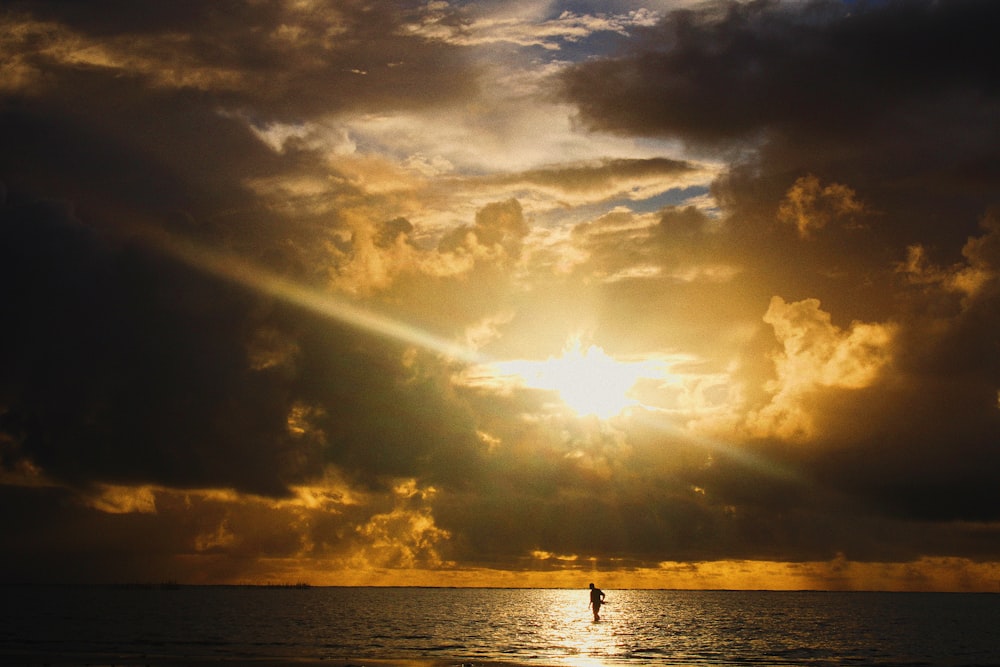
(174, 585)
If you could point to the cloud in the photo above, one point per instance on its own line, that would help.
(790, 89)
(251, 260)
(975, 277)
(852, 159)
(797, 67)
(103, 343)
(627, 178)
(499, 230)
(468, 27)
(816, 354)
(108, 347)
(403, 537)
(283, 59)
(124, 499)
(811, 206)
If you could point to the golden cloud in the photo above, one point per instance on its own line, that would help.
(815, 354)
(809, 205)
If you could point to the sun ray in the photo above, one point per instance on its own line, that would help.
(248, 274)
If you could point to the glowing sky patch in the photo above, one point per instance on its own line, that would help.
(587, 380)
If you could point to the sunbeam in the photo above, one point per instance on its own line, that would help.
(264, 281)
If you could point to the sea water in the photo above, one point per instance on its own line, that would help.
(145, 625)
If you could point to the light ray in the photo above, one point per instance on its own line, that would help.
(242, 272)
(245, 273)
(747, 459)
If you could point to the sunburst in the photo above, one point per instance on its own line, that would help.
(587, 380)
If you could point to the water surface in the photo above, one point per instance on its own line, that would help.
(540, 627)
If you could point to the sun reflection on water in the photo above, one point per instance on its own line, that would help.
(568, 627)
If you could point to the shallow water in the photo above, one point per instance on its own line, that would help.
(543, 627)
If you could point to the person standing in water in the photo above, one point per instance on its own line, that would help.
(596, 600)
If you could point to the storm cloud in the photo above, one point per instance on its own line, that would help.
(308, 292)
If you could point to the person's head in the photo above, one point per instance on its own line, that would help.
(592, 585)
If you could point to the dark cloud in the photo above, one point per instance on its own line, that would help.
(895, 100)
(390, 231)
(121, 365)
(499, 227)
(871, 130)
(275, 60)
(152, 115)
(607, 174)
(820, 68)
(862, 159)
(61, 541)
(653, 498)
(125, 365)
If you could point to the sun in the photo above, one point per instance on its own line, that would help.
(587, 380)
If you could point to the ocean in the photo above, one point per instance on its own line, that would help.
(178, 625)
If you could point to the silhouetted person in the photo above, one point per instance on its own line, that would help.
(596, 600)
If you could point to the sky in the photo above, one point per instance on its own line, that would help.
(669, 294)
